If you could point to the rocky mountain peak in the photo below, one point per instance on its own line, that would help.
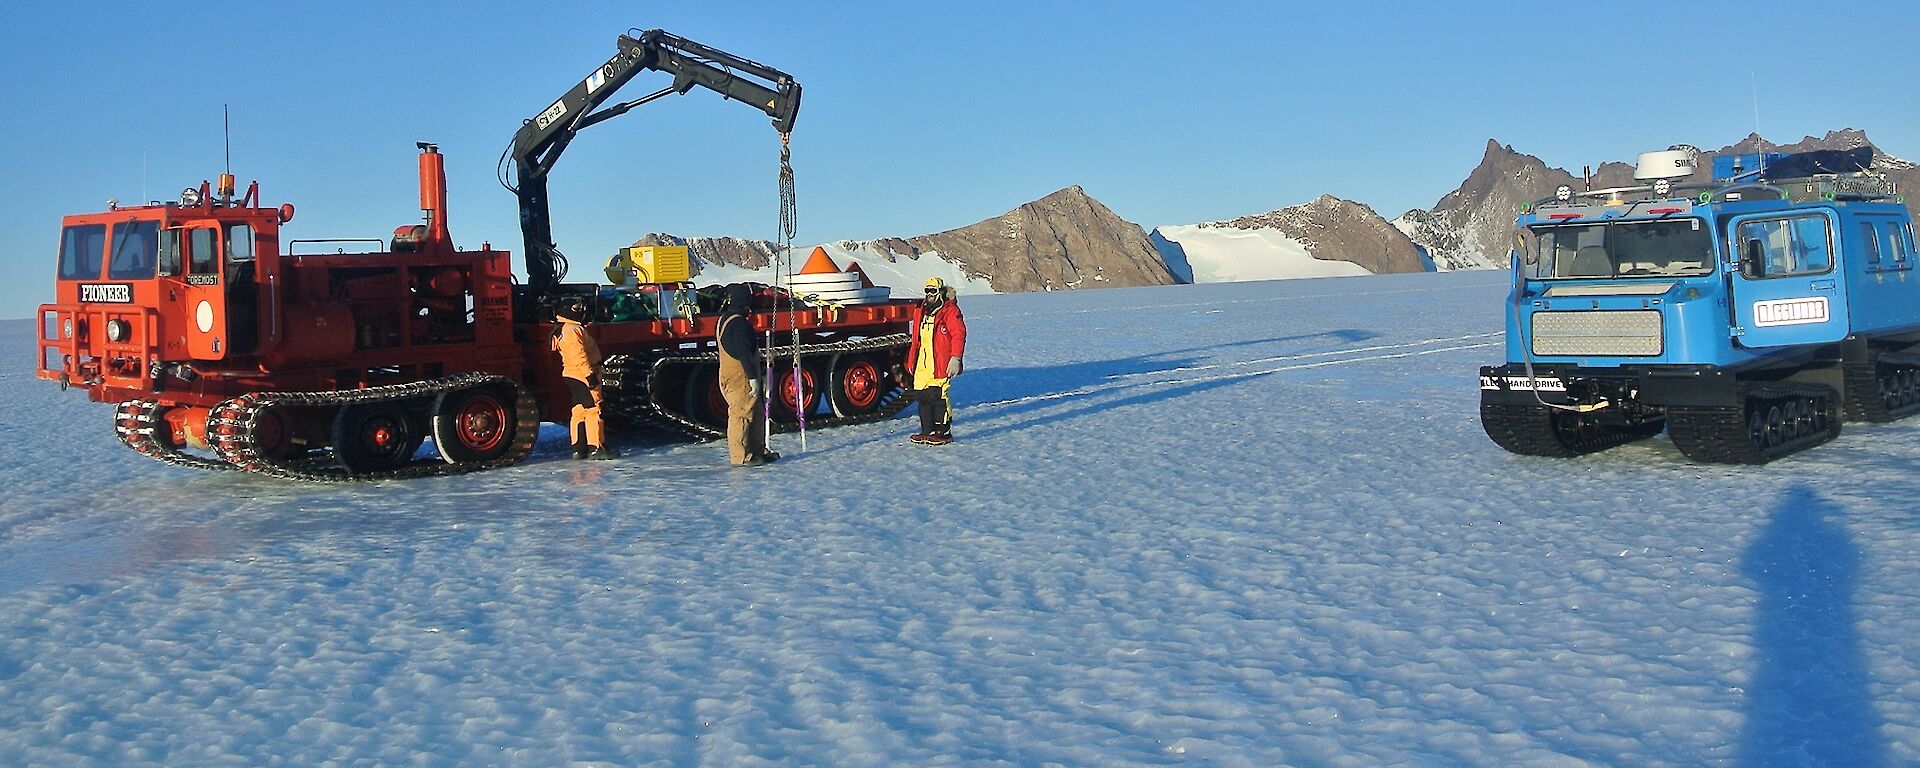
(1060, 241)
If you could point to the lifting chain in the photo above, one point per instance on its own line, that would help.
(789, 210)
(783, 261)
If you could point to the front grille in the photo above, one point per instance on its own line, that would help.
(1624, 333)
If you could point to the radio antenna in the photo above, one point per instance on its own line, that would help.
(226, 132)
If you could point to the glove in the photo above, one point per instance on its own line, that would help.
(953, 366)
(899, 373)
(753, 386)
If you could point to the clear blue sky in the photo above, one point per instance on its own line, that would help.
(918, 117)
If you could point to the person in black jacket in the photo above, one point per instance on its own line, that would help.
(740, 370)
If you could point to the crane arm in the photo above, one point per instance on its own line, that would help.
(540, 141)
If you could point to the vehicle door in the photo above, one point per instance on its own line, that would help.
(1786, 287)
(191, 259)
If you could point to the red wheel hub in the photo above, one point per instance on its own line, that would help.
(801, 398)
(861, 384)
(480, 424)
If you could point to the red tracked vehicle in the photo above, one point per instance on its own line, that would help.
(226, 346)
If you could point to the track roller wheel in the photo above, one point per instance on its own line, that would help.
(704, 402)
(375, 437)
(1771, 421)
(856, 385)
(789, 398)
(474, 424)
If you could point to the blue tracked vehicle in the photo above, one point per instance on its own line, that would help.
(1746, 316)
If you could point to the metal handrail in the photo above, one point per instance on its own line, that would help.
(377, 242)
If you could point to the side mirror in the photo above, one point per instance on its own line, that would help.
(169, 252)
(1754, 260)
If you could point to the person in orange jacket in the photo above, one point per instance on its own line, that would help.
(938, 338)
(580, 367)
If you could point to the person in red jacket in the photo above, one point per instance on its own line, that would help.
(938, 337)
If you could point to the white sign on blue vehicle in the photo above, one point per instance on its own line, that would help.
(1767, 314)
(1534, 383)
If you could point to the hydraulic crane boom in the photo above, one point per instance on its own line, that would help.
(539, 142)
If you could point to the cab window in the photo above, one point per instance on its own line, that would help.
(1800, 245)
(239, 242)
(1870, 242)
(1898, 250)
(136, 245)
(80, 249)
(203, 257)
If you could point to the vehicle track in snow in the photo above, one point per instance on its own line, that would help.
(1307, 361)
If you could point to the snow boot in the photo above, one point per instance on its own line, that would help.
(938, 438)
(920, 438)
(752, 461)
(602, 453)
(769, 457)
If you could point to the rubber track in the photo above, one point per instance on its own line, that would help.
(1720, 435)
(1528, 429)
(232, 424)
(1866, 401)
(632, 396)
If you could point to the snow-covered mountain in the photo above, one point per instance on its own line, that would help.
(1064, 241)
(1248, 524)
(1328, 237)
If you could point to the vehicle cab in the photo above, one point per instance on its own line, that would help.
(142, 292)
(1667, 291)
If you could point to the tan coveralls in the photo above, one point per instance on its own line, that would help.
(746, 421)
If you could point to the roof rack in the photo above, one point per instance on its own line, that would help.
(1861, 186)
(1840, 186)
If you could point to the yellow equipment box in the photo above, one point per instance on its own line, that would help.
(650, 264)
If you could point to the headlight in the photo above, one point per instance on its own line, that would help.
(1563, 193)
(1662, 187)
(118, 331)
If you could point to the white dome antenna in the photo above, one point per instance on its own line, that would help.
(1665, 164)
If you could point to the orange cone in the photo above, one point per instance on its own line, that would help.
(819, 263)
(854, 267)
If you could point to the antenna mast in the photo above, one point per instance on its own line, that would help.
(226, 175)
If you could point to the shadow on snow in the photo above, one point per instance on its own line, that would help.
(1808, 703)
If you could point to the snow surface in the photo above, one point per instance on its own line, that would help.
(1247, 524)
(906, 275)
(1229, 254)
